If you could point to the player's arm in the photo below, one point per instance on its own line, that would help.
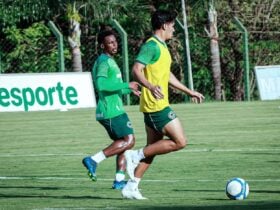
(137, 71)
(105, 84)
(175, 83)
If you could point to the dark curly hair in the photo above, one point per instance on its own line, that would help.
(106, 31)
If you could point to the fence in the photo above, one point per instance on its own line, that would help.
(42, 56)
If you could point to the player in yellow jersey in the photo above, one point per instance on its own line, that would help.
(152, 71)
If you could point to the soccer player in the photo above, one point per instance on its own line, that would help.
(110, 113)
(152, 71)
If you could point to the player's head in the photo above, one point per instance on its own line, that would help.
(161, 17)
(108, 41)
(164, 21)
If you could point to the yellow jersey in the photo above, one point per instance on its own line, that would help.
(158, 74)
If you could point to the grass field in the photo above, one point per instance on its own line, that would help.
(41, 153)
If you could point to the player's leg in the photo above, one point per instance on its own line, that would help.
(176, 141)
(156, 146)
(119, 181)
(121, 132)
(117, 148)
(133, 157)
(152, 137)
(175, 131)
(131, 190)
(168, 124)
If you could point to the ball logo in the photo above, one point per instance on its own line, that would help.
(171, 115)
(129, 124)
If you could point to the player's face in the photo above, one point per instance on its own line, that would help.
(110, 45)
(169, 29)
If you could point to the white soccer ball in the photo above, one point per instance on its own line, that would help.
(237, 189)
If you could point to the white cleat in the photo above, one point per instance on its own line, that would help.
(131, 164)
(132, 193)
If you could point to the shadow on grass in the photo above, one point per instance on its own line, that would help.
(57, 197)
(30, 187)
(251, 191)
(238, 206)
(148, 204)
(198, 190)
(266, 191)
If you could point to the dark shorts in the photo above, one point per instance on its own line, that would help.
(157, 120)
(118, 127)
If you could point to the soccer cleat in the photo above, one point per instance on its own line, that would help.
(130, 192)
(91, 167)
(119, 185)
(131, 163)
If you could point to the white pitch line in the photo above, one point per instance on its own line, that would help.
(233, 150)
(185, 150)
(147, 180)
(40, 155)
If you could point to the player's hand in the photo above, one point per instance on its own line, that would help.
(197, 97)
(136, 93)
(135, 88)
(156, 92)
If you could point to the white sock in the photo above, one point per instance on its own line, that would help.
(141, 154)
(98, 157)
(137, 180)
(132, 183)
(120, 176)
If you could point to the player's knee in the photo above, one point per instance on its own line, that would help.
(130, 141)
(182, 143)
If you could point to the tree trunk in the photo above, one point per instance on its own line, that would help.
(75, 43)
(215, 52)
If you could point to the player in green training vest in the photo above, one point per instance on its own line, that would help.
(152, 70)
(110, 112)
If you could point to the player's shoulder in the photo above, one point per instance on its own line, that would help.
(150, 45)
(102, 58)
(151, 42)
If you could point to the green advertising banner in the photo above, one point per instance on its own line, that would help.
(46, 91)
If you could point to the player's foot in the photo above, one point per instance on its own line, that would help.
(91, 165)
(131, 162)
(131, 192)
(119, 185)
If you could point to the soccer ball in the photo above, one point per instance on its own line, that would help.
(237, 189)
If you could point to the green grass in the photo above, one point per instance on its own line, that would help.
(41, 153)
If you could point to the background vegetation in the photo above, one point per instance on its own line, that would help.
(27, 45)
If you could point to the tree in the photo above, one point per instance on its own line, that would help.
(74, 37)
(215, 51)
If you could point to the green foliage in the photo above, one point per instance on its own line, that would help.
(265, 52)
(29, 52)
(259, 17)
(72, 12)
(15, 12)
